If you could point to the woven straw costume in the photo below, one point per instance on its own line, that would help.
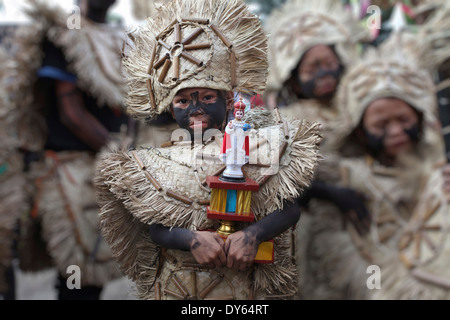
(408, 237)
(12, 180)
(63, 196)
(222, 47)
(295, 28)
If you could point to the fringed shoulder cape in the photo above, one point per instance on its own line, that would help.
(93, 53)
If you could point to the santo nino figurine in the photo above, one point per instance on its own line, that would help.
(235, 146)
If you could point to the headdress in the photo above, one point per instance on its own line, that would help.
(299, 25)
(434, 38)
(214, 44)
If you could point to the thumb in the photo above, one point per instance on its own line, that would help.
(227, 245)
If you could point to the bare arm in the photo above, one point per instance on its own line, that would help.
(240, 248)
(206, 247)
(77, 119)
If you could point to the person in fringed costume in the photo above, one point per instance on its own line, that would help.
(12, 180)
(311, 45)
(393, 153)
(70, 93)
(189, 59)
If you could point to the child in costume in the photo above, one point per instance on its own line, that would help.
(189, 60)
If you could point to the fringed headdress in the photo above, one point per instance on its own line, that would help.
(93, 53)
(300, 25)
(186, 44)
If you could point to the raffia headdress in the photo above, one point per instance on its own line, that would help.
(214, 44)
(299, 25)
(434, 38)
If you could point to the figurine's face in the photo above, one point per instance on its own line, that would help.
(239, 114)
(391, 125)
(199, 108)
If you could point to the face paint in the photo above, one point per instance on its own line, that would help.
(215, 113)
(308, 87)
(376, 143)
(414, 133)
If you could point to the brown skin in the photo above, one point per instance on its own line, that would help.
(390, 117)
(208, 249)
(77, 119)
(318, 56)
(241, 248)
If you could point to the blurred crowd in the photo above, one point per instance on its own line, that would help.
(374, 74)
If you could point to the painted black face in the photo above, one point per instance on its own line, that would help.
(308, 87)
(214, 113)
(375, 143)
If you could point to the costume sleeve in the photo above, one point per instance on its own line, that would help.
(127, 237)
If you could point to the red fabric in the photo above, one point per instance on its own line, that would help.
(247, 146)
(257, 101)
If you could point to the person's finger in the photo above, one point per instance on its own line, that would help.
(226, 246)
(222, 258)
(230, 262)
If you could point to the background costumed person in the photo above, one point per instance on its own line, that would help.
(311, 45)
(12, 180)
(390, 150)
(189, 59)
(69, 90)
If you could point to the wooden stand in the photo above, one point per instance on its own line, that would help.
(230, 201)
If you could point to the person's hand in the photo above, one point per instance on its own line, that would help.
(241, 248)
(208, 249)
(352, 204)
(230, 125)
(446, 176)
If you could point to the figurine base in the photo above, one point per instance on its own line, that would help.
(233, 171)
(216, 183)
(229, 216)
(232, 180)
